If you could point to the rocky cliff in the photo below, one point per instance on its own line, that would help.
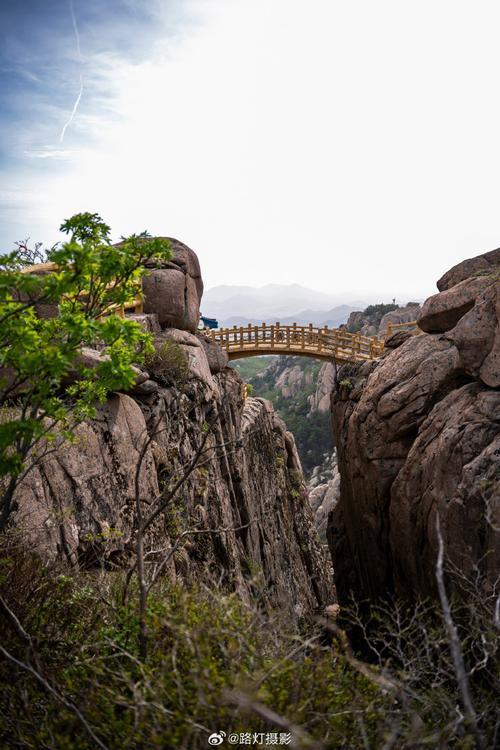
(241, 519)
(418, 435)
(376, 319)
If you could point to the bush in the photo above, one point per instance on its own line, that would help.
(208, 649)
(168, 364)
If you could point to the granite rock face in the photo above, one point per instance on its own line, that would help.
(480, 264)
(248, 491)
(217, 357)
(441, 312)
(477, 336)
(324, 496)
(418, 436)
(406, 314)
(174, 291)
(320, 399)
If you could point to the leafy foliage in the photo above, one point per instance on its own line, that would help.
(168, 363)
(45, 319)
(372, 315)
(208, 647)
(312, 429)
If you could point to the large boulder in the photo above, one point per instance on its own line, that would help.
(173, 291)
(418, 436)
(481, 264)
(407, 314)
(477, 337)
(217, 357)
(441, 312)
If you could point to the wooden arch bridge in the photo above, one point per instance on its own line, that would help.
(304, 341)
(254, 340)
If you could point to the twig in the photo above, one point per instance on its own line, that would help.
(454, 644)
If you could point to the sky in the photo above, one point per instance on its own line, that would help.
(345, 146)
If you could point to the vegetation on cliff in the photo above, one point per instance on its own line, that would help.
(75, 679)
(371, 315)
(46, 384)
(311, 429)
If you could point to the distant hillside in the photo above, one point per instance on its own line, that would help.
(333, 318)
(240, 305)
(290, 383)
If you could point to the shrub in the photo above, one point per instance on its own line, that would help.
(209, 648)
(168, 364)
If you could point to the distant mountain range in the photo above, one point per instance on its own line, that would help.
(241, 305)
(332, 318)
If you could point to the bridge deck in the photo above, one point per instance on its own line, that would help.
(304, 341)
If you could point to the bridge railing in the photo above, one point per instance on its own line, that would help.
(135, 304)
(411, 326)
(296, 338)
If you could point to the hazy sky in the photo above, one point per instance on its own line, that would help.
(344, 145)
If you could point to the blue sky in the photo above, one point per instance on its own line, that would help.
(350, 147)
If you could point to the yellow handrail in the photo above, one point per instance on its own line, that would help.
(410, 326)
(135, 304)
(326, 343)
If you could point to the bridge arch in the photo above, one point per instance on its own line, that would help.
(303, 341)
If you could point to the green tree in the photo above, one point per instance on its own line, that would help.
(45, 387)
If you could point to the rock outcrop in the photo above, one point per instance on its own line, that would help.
(241, 519)
(418, 435)
(375, 322)
(406, 314)
(324, 493)
(320, 399)
(173, 291)
(292, 379)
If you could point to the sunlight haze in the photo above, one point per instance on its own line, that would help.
(348, 147)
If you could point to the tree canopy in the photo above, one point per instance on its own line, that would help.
(46, 317)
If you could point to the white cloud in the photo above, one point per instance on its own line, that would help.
(339, 145)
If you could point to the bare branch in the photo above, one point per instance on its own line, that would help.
(454, 644)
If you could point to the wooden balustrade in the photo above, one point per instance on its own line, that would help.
(135, 304)
(309, 340)
(411, 326)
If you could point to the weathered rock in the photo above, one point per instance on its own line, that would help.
(247, 492)
(356, 318)
(320, 399)
(481, 264)
(292, 379)
(180, 354)
(477, 337)
(441, 312)
(186, 260)
(376, 421)
(417, 436)
(398, 338)
(78, 503)
(217, 357)
(148, 322)
(174, 291)
(144, 389)
(406, 314)
(452, 470)
(91, 359)
(323, 499)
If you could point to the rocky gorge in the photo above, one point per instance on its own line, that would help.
(166, 577)
(242, 514)
(418, 436)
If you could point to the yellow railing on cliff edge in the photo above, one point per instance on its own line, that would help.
(306, 341)
(135, 304)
